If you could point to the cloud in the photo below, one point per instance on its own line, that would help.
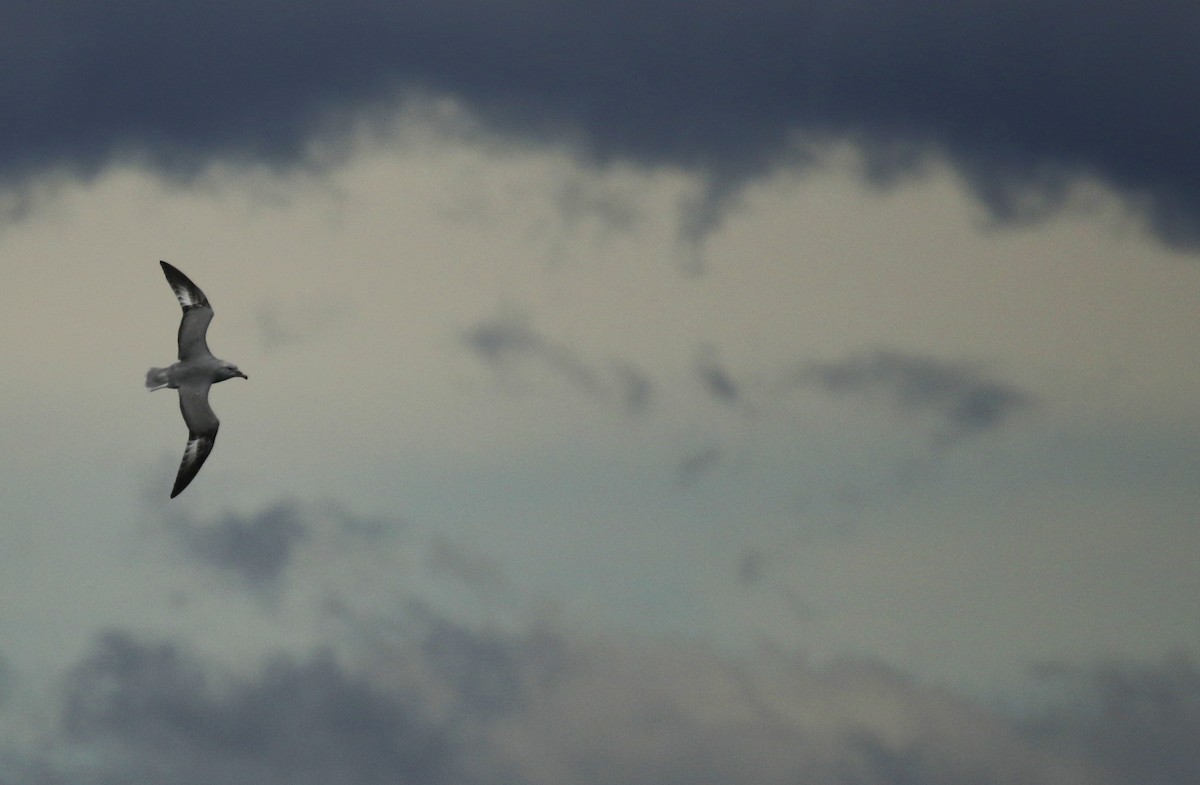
(1140, 720)
(455, 704)
(508, 339)
(582, 200)
(958, 396)
(697, 463)
(636, 388)
(170, 718)
(716, 380)
(508, 336)
(479, 572)
(1022, 97)
(255, 548)
(403, 692)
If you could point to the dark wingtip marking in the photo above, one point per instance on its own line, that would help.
(184, 478)
(177, 281)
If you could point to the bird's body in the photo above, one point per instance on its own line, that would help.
(196, 371)
(180, 374)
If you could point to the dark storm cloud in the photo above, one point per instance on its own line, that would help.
(509, 338)
(1022, 96)
(963, 399)
(256, 548)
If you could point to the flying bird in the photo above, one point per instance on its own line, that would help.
(196, 371)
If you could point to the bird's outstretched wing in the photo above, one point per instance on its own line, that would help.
(197, 313)
(202, 426)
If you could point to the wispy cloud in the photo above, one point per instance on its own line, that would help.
(717, 381)
(958, 396)
(256, 548)
(508, 339)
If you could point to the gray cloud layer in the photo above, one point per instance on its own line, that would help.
(1022, 96)
(412, 696)
(1141, 721)
(299, 721)
(459, 705)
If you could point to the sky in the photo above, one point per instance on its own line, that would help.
(655, 392)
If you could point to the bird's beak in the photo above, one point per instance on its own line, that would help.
(244, 376)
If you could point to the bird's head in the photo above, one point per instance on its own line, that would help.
(229, 370)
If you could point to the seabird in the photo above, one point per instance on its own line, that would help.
(196, 371)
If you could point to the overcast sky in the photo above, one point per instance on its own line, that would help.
(639, 392)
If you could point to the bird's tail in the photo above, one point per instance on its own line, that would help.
(156, 378)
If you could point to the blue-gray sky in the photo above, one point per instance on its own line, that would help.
(639, 392)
